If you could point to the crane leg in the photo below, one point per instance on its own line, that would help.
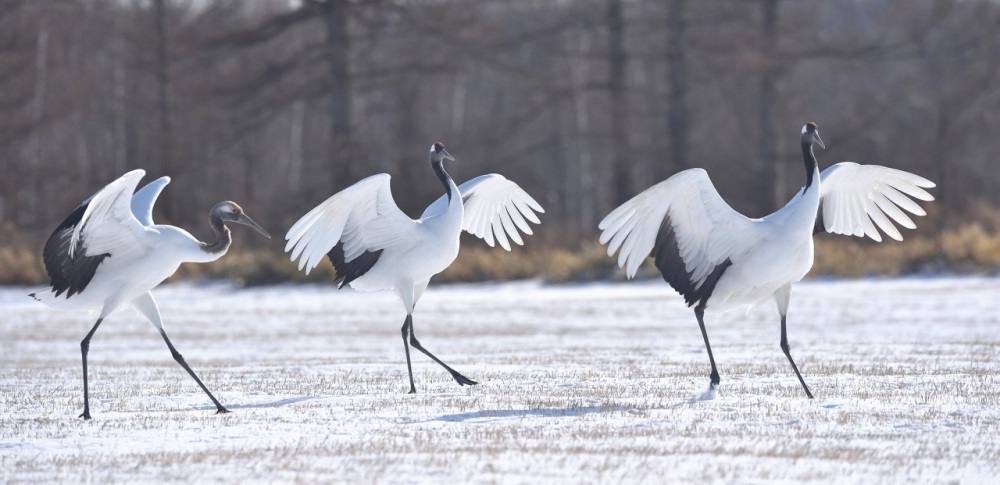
(407, 323)
(699, 312)
(84, 349)
(180, 360)
(462, 380)
(787, 351)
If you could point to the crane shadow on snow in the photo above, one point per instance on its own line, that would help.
(269, 404)
(500, 414)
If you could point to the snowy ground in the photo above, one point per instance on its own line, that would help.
(578, 384)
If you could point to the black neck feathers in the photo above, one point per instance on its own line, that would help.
(438, 167)
(223, 238)
(810, 160)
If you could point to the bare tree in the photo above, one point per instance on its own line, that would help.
(770, 175)
(583, 103)
(677, 118)
(621, 145)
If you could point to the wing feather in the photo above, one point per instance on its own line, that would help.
(624, 231)
(102, 227)
(364, 217)
(499, 232)
(867, 227)
(858, 215)
(628, 244)
(686, 209)
(882, 221)
(901, 200)
(525, 206)
(518, 219)
(509, 227)
(144, 199)
(476, 222)
(108, 226)
(861, 199)
(612, 223)
(495, 210)
(910, 184)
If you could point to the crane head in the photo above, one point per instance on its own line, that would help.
(438, 153)
(229, 211)
(810, 135)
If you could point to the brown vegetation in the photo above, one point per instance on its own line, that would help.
(971, 248)
(278, 104)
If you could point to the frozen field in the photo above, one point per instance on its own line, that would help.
(578, 384)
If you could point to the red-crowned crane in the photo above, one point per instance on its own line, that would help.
(375, 246)
(719, 259)
(109, 253)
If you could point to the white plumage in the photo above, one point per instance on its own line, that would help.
(854, 196)
(495, 209)
(720, 259)
(375, 246)
(708, 230)
(108, 252)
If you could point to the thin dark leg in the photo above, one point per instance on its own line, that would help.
(699, 312)
(784, 347)
(84, 348)
(462, 380)
(406, 346)
(180, 360)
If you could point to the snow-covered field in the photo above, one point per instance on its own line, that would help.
(578, 384)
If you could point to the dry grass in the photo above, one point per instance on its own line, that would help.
(478, 262)
(970, 248)
(19, 265)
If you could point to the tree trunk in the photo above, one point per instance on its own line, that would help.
(30, 200)
(677, 121)
(297, 121)
(338, 50)
(622, 188)
(942, 121)
(584, 190)
(769, 170)
(120, 110)
(165, 137)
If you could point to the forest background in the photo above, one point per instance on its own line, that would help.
(279, 104)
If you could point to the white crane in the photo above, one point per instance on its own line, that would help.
(108, 252)
(375, 246)
(718, 258)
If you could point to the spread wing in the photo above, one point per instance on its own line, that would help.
(685, 225)
(144, 199)
(855, 199)
(361, 218)
(495, 209)
(102, 227)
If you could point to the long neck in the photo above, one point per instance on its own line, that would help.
(810, 160)
(222, 238)
(449, 184)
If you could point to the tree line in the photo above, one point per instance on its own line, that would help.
(278, 104)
